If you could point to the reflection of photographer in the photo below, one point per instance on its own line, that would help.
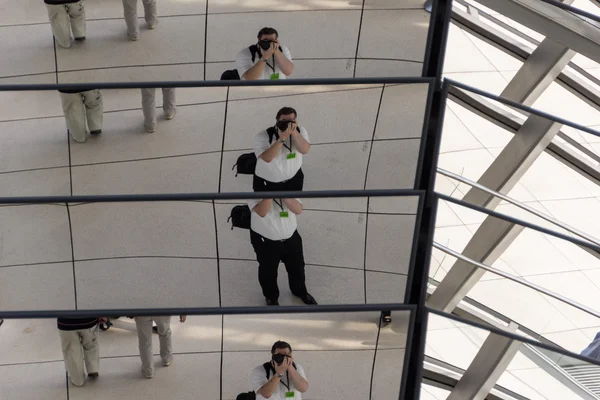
(267, 59)
(279, 151)
(281, 378)
(275, 239)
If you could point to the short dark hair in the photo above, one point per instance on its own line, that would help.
(280, 345)
(286, 111)
(267, 31)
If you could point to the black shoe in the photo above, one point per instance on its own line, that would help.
(155, 329)
(93, 375)
(272, 302)
(308, 299)
(80, 38)
(96, 132)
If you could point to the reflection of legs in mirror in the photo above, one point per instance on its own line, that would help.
(150, 13)
(94, 110)
(131, 19)
(163, 326)
(293, 258)
(169, 103)
(91, 351)
(386, 317)
(149, 109)
(144, 330)
(59, 21)
(77, 15)
(267, 255)
(73, 355)
(73, 109)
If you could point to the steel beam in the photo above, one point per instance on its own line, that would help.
(491, 361)
(572, 30)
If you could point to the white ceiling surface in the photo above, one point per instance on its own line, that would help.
(119, 249)
(469, 146)
(322, 35)
(31, 363)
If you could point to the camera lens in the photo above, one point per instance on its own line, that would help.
(278, 358)
(264, 44)
(283, 125)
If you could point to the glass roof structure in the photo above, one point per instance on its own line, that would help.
(453, 179)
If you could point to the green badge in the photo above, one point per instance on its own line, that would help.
(289, 395)
(283, 214)
(275, 75)
(291, 156)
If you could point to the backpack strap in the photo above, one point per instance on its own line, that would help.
(268, 367)
(272, 132)
(253, 50)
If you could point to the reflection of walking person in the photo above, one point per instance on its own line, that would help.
(131, 17)
(149, 106)
(79, 341)
(81, 106)
(144, 330)
(66, 15)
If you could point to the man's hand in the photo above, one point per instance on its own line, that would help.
(182, 318)
(284, 134)
(270, 51)
(281, 368)
(290, 360)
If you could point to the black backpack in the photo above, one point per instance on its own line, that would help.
(246, 163)
(233, 74)
(251, 395)
(240, 217)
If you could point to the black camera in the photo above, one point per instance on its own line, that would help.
(283, 125)
(278, 358)
(264, 44)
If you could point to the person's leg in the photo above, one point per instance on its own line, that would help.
(73, 355)
(94, 110)
(268, 262)
(59, 21)
(149, 108)
(293, 258)
(169, 104)
(259, 184)
(131, 19)
(150, 13)
(91, 350)
(163, 325)
(74, 112)
(144, 330)
(78, 23)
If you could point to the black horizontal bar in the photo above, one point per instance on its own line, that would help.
(571, 9)
(518, 221)
(113, 198)
(189, 84)
(141, 312)
(520, 106)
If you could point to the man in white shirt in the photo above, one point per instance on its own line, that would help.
(279, 151)
(267, 59)
(281, 378)
(275, 239)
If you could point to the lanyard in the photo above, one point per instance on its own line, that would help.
(287, 386)
(279, 203)
(286, 146)
(271, 66)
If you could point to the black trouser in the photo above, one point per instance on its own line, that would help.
(269, 253)
(296, 183)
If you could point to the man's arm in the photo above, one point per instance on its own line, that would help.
(301, 144)
(294, 205)
(300, 383)
(272, 152)
(256, 72)
(268, 388)
(263, 207)
(285, 64)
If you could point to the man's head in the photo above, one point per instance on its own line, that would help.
(282, 349)
(266, 36)
(285, 116)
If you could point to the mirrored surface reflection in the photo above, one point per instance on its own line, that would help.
(219, 357)
(114, 40)
(192, 254)
(459, 354)
(190, 139)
